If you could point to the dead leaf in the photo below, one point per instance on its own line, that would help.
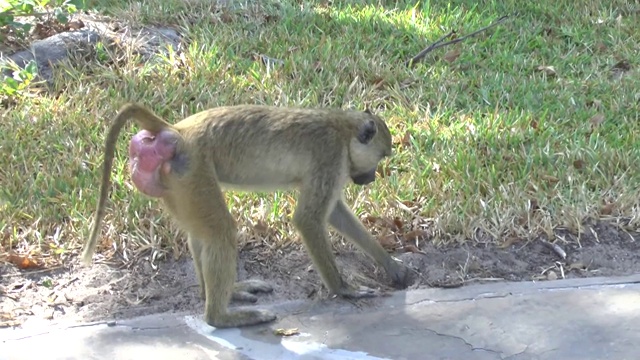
(577, 266)
(550, 179)
(286, 332)
(23, 262)
(597, 119)
(384, 171)
(452, 55)
(533, 205)
(413, 249)
(389, 223)
(578, 164)
(398, 223)
(415, 235)
(607, 209)
(511, 240)
(370, 220)
(619, 69)
(601, 47)
(534, 125)
(226, 18)
(271, 18)
(388, 242)
(8, 320)
(522, 221)
(406, 139)
(406, 83)
(317, 66)
(595, 103)
(261, 227)
(378, 82)
(410, 204)
(75, 25)
(622, 65)
(548, 70)
(269, 61)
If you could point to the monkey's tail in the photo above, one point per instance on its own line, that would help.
(145, 119)
(126, 112)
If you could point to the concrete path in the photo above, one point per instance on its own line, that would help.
(597, 318)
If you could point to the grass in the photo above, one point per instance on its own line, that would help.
(533, 126)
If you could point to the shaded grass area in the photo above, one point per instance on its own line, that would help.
(507, 135)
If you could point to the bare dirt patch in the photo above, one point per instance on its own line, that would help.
(106, 292)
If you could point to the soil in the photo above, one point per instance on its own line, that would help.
(106, 292)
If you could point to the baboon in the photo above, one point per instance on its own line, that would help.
(254, 148)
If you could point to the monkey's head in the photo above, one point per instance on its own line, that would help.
(371, 144)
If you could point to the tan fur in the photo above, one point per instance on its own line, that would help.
(262, 148)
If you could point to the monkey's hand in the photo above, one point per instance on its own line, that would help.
(244, 290)
(362, 293)
(401, 275)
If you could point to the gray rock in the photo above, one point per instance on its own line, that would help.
(49, 51)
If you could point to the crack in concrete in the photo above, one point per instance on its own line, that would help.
(463, 340)
(479, 297)
(156, 327)
(67, 327)
(111, 323)
(518, 353)
(503, 295)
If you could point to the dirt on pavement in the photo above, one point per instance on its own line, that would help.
(107, 292)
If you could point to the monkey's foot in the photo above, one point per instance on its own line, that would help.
(244, 290)
(238, 318)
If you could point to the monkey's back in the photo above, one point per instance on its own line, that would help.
(273, 146)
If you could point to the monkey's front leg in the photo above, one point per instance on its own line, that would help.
(347, 224)
(308, 221)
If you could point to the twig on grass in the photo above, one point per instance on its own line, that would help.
(440, 43)
(429, 48)
(555, 248)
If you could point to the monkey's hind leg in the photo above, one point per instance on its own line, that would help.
(218, 259)
(195, 247)
(212, 225)
(242, 290)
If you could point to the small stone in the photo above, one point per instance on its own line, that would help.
(551, 275)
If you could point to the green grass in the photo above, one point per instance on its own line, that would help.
(485, 144)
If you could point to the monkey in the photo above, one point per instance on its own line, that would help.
(189, 164)
(244, 290)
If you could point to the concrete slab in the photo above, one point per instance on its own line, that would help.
(596, 318)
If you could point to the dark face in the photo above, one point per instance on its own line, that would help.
(364, 178)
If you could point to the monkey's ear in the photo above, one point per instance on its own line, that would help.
(367, 131)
